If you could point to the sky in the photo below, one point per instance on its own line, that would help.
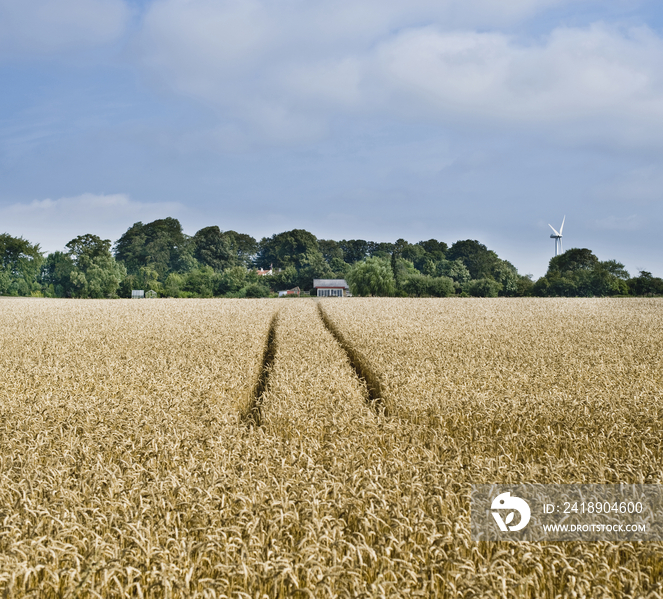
(353, 119)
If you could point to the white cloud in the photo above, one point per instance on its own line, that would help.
(575, 73)
(37, 27)
(53, 223)
(287, 71)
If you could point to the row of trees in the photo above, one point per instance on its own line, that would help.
(159, 256)
(579, 273)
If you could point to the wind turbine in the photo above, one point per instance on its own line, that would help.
(557, 236)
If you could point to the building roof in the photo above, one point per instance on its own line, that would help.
(330, 283)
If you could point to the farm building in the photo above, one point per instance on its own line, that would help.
(263, 272)
(142, 294)
(331, 288)
(294, 291)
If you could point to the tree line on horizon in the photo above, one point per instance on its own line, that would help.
(160, 257)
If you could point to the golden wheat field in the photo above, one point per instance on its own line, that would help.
(295, 448)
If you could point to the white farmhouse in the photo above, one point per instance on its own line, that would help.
(331, 288)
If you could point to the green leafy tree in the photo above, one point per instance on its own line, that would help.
(127, 284)
(212, 248)
(645, 284)
(200, 282)
(605, 283)
(55, 274)
(243, 246)
(291, 248)
(95, 273)
(483, 288)
(160, 245)
(397, 261)
(20, 266)
(416, 285)
(339, 268)
(524, 285)
(579, 273)
(331, 250)
(313, 266)
(147, 279)
(415, 254)
(616, 269)
(442, 287)
(5, 282)
(455, 270)
(223, 249)
(402, 269)
(479, 260)
(174, 285)
(380, 249)
(425, 255)
(233, 280)
(435, 250)
(354, 250)
(372, 277)
(419, 285)
(506, 274)
(556, 285)
(428, 268)
(573, 260)
(256, 290)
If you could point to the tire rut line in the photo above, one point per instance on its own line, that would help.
(359, 365)
(253, 415)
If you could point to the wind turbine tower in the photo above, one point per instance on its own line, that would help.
(557, 236)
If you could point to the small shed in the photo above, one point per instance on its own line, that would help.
(331, 288)
(137, 293)
(294, 291)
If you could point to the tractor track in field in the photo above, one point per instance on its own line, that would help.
(359, 365)
(254, 413)
(253, 416)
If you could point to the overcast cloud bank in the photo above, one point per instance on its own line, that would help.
(289, 74)
(53, 223)
(430, 118)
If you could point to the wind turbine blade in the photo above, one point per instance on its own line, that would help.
(562, 227)
(553, 228)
